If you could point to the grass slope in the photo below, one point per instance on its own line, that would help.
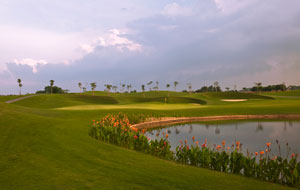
(43, 148)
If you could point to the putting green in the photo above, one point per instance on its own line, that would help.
(135, 106)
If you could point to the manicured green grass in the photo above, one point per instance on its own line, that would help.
(46, 148)
(10, 97)
(284, 93)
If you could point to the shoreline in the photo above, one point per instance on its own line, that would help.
(175, 120)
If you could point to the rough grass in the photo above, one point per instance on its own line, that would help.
(43, 148)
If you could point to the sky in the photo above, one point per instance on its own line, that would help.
(234, 42)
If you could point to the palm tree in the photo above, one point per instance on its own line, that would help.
(143, 89)
(80, 86)
(20, 86)
(115, 88)
(190, 87)
(175, 84)
(258, 85)
(149, 83)
(51, 85)
(168, 86)
(93, 86)
(108, 87)
(216, 85)
(157, 83)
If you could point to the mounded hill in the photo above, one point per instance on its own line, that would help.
(234, 95)
(171, 100)
(63, 100)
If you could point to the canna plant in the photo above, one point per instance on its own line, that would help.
(117, 129)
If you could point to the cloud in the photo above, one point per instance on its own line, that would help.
(232, 46)
(114, 38)
(34, 64)
(173, 10)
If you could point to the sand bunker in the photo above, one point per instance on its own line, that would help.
(234, 100)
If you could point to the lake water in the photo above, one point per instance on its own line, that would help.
(252, 134)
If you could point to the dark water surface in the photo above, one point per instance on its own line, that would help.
(252, 134)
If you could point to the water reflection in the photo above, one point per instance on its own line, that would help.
(253, 135)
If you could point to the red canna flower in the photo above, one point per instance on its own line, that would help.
(203, 145)
(185, 141)
(197, 143)
(268, 144)
(165, 143)
(218, 147)
(187, 147)
(293, 155)
(193, 138)
(223, 142)
(135, 137)
(256, 153)
(262, 152)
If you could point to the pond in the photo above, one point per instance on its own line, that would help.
(252, 134)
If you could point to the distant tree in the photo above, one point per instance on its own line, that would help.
(258, 86)
(53, 89)
(108, 88)
(168, 86)
(227, 88)
(175, 84)
(216, 86)
(234, 87)
(93, 86)
(84, 89)
(123, 86)
(157, 83)
(20, 86)
(149, 84)
(80, 86)
(51, 85)
(143, 89)
(190, 87)
(115, 88)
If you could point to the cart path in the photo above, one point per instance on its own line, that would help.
(17, 99)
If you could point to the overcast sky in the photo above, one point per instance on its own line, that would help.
(235, 42)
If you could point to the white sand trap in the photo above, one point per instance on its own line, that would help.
(234, 100)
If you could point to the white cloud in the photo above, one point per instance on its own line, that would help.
(230, 6)
(173, 10)
(31, 62)
(114, 38)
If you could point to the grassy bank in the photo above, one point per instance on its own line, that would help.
(43, 147)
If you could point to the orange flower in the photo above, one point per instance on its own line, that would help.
(143, 131)
(256, 153)
(187, 147)
(167, 135)
(293, 155)
(197, 143)
(218, 147)
(267, 150)
(205, 141)
(193, 138)
(181, 142)
(237, 143)
(228, 148)
(268, 144)
(223, 143)
(185, 141)
(262, 152)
